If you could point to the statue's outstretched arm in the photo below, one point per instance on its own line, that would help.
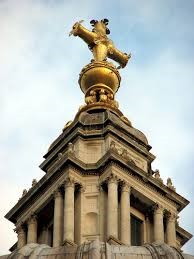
(83, 33)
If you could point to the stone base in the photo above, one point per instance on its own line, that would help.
(96, 250)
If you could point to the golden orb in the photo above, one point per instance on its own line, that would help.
(101, 74)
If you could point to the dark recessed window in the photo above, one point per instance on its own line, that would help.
(136, 231)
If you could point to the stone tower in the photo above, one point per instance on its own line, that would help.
(99, 194)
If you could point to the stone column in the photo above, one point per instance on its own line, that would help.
(158, 224)
(32, 229)
(69, 211)
(102, 214)
(21, 232)
(148, 227)
(171, 229)
(112, 220)
(125, 214)
(58, 219)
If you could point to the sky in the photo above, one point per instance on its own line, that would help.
(39, 92)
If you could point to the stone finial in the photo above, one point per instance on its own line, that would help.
(169, 184)
(157, 176)
(24, 192)
(34, 182)
(60, 155)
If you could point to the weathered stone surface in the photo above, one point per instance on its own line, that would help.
(97, 250)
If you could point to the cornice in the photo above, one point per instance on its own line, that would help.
(102, 133)
(68, 160)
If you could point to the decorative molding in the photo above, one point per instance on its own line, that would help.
(57, 193)
(82, 188)
(112, 178)
(158, 208)
(70, 148)
(125, 187)
(69, 182)
(171, 216)
(172, 206)
(20, 228)
(32, 219)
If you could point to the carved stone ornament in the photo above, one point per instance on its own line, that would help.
(158, 208)
(112, 179)
(113, 147)
(57, 193)
(125, 187)
(32, 219)
(24, 192)
(170, 185)
(171, 216)
(34, 182)
(70, 148)
(19, 228)
(82, 189)
(124, 154)
(60, 155)
(157, 176)
(69, 182)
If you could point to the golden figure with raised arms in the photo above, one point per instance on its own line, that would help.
(98, 42)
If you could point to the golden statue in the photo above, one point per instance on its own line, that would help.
(100, 79)
(98, 42)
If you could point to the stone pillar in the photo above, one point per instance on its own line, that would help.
(158, 224)
(44, 235)
(58, 219)
(102, 214)
(21, 232)
(69, 212)
(171, 229)
(32, 229)
(125, 215)
(148, 228)
(112, 220)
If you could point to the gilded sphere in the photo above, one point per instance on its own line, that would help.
(99, 73)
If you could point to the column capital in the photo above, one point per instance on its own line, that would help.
(69, 182)
(112, 179)
(19, 228)
(57, 193)
(158, 208)
(82, 188)
(171, 216)
(125, 187)
(100, 188)
(32, 219)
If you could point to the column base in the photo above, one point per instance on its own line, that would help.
(67, 242)
(114, 241)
